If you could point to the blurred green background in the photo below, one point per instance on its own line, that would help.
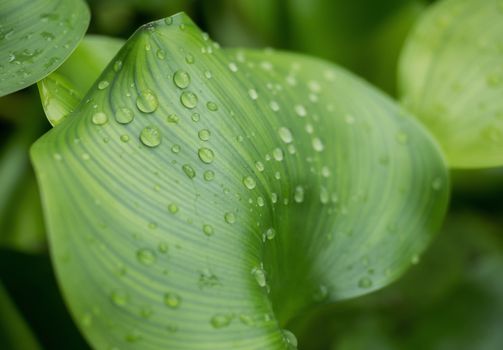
(452, 299)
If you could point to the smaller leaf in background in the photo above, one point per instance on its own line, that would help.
(15, 334)
(63, 90)
(36, 36)
(451, 77)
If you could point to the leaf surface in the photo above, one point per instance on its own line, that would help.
(451, 77)
(204, 197)
(36, 36)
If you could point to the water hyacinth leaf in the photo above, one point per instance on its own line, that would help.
(451, 77)
(207, 196)
(62, 90)
(36, 36)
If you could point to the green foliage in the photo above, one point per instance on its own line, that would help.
(451, 77)
(206, 192)
(36, 36)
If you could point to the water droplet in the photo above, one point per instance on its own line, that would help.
(175, 148)
(230, 218)
(317, 145)
(99, 118)
(188, 99)
(415, 259)
(253, 94)
(204, 134)
(300, 110)
(233, 67)
(147, 101)
(124, 138)
(365, 283)
(151, 136)
(247, 320)
(260, 166)
(209, 175)
(249, 182)
(206, 155)
(124, 115)
(299, 194)
(173, 118)
(208, 230)
(270, 233)
(168, 20)
(208, 74)
(321, 293)
(285, 134)
(117, 65)
(212, 106)
(189, 171)
(274, 106)
(103, 84)
(189, 58)
(146, 256)
(260, 201)
(173, 208)
(277, 153)
(172, 300)
(181, 79)
(220, 321)
(290, 339)
(119, 297)
(161, 54)
(259, 274)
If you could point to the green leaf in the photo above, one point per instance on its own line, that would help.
(63, 90)
(205, 197)
(451, 77)
(36, 36)
(14, 332)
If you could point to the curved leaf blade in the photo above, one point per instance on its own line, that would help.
(62, 90)
(451, 77)
(233, 193)
(36, 36)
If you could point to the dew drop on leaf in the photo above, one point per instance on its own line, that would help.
(124, 115)
(206, 155)
(229, 218)
(290, 339)
(181, 79)
(147, 101)
(212, 106)
(285, 134)
(119, 297)
(277, 153)
(103, 84)
(188, 99)
(189, 171)
(270, 233)
(208, 230)
(249, 182)
(209, 175)
(204, 134)
(99, 118)
(172, 300)
(259, 274)
(146, 256)
(365, 283)
(253, 94)
(317, 145)
(151, 136)
(220, 321)
(173, 208)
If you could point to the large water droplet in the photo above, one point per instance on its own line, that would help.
(230, 218)
(146, 256)
(290, 339)
(204, 135)
(124, 115)
(147, 101)
(259, 274)
(285, 135)
(277, 153)
(249, 182)
(151, 136)
(188, 99)
(181, 79)
(172, 300)
(270, 233)
(189, 171)
(99, 118)
(206, 155)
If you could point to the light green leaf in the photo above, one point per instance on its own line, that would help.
(63, 90)
(451, 77)
(36, 36)
(205, 197)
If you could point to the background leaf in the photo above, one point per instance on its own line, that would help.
(208, 196)
(451, 77)
(36, 36)
(63, 90)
